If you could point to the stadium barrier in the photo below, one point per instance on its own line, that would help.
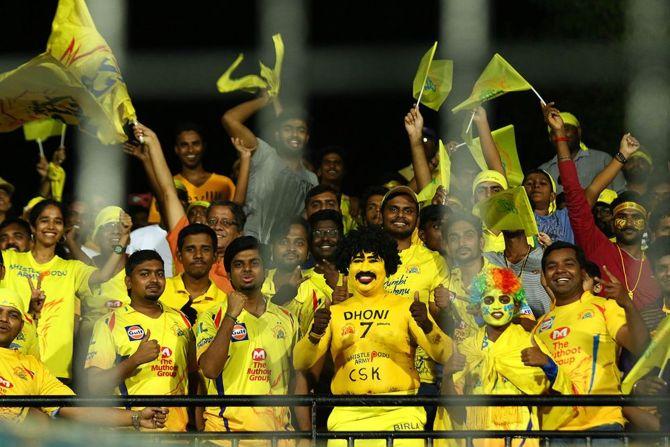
(648, 438)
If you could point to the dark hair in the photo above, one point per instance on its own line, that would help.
(242, 243)
(592, 269)
(196, 228)
(294, 113)
(2, 259)
(432, 213)
(371, 240)
(539, 171)
(18, 221)
(139, 257)
(331, 215)
(628, 196)
(560, 245)
(186, 127)
(339, 150)
(238, 212)
(321, 189)
(280, 230)
(659, 248)
(370, 191)
(660, 213)
(463, 217)
(41, 206)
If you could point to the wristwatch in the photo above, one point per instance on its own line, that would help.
(119, 249)
(136, 420)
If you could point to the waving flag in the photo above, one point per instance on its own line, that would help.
(443, 178)
(506, 143)
(42, 129)
(655, 356)
(507, 210)
(432, 82)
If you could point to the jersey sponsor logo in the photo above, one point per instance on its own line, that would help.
(239, 332)
(407, 426)
(258, 354)
(586, 314)
(368, 314)
(166, 352)
(279, 332)
(135, 332)
(547, 324)
(113, 304)
(560, 332)
(4, 383)
(367, 357)
(347, 330)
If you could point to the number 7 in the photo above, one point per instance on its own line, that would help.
(368, 325)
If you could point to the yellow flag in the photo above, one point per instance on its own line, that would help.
(507, 210)
(76, 44)
(655, 356)
(498, 78)
(506, 143)
(42, 129)
(443, 178)
(432, 82)
(273, 76)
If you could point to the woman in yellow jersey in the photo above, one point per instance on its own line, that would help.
(495, 360)
(372, 338)
(56, 283)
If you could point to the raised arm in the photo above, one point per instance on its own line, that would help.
(414, 128)
(168, 201)
(141, 152)
(233, 120)
(427, 334)
(42, 168)
(489, 149)
(107, 271)
(627, 147)
(313, 346)
(245, 154)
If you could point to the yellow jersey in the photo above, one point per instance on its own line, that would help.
(26, 341)
(102, 299)
(372, 342)
(581, 338)
(24, 375)
(421, 270)
(176, 295)
(117, 336)
(269, 289)
(311, 295)
(62, 281)
(259, 363)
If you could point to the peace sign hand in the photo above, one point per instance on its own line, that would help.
(614, 289)
(37, 298)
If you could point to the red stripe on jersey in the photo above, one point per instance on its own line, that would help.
(601, 309)
(30, 373)
(217, 318)
(183, 317)
(315, 300)
(111, 322)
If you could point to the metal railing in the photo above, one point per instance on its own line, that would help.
(314, 402)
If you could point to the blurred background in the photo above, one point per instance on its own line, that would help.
(351, 65)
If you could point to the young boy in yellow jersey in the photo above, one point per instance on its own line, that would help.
(290, 246)
(583, 335)
(143, 347)
(24, 375)
(494, 360)
(193, 292)
(421, 271)
(372, 338)
(245, 346)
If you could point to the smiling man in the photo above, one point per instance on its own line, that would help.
(15, 235)
(584, 333)
(372, 338)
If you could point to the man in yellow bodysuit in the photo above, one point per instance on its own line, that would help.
(372, 337)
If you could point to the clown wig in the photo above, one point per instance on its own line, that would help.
(500, 279)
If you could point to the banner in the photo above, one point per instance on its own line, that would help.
(507, 210)
(432, 82)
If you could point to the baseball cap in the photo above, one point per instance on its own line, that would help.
(4, 184)
(400, 190)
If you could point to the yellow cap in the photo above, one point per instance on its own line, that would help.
(202, 203)
(643, 155)
(9, 298)
(607, 196)
(489, 175)
(106, 215)
(32, 202)
(401, 190)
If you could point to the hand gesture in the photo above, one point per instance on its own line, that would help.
(147, 351)
(37, 297)
(296, 277)
(71, 234)
(145, 135)
(341, 293)
(138, 151)
(321, 322)
(152, 417)
(126, 223)
(440, 197)
(42, 167)
(242, 150)
(442, 297)
(544, 239)
(534, 356)
(455, 363)
(329, 271)
(650, 386)
(614, 289)
(236, 302)
(552, 117)
(628, 145)
(414, 125)
(419, 312)
(479, 116)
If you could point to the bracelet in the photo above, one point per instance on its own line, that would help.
(136, 420)
(621, 158)
(557, 139)
(315, 335)
(227, 315)
(564, 158)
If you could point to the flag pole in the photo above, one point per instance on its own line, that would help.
(460, 145)
(39, 144)
(470, 123)
(62, 136)
(665, 363)
(538, 95)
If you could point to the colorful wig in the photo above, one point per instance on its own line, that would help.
(500, 279)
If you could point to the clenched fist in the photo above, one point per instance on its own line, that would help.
(534, 356)
(147, 351)
(419, 312)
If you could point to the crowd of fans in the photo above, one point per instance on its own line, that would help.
(278, 283)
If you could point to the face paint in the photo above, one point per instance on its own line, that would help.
(497, 309)
(639, 223)
(367, 274)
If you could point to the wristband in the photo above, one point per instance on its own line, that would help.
(621, 158)
(227, 315)
(557, 139)
(315, 335)
(136, 420)
(564, 158)
(550, 370)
